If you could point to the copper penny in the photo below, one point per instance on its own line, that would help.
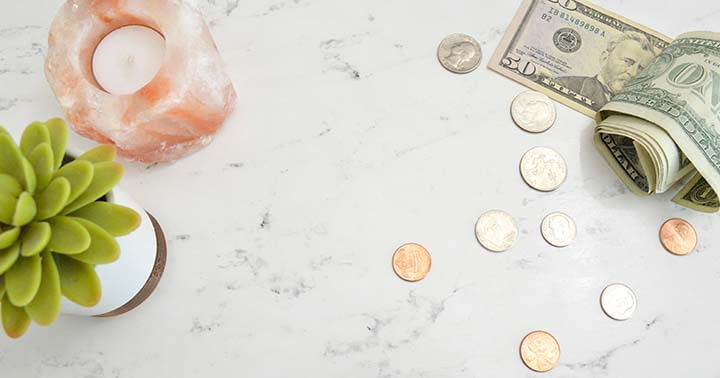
(411, 262)
(678, 236)
(540, 351)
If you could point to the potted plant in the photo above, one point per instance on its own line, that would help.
(62, 229)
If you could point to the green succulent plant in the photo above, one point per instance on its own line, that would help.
(55, 224)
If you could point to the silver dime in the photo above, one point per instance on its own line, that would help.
(558, 229)
(618, 301)
(459, 53)
(543, 169)
(533, 111)
(496, 230)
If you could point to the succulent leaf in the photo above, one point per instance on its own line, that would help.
(8, 237)
(52, 200)
(80, 174)
(2, 286)
(35, 238)
(103, 249)
(10, 185)
(30, 178)
(13, 163)
(45, 307)
(115, 219)
(9, 256)
(78, 281)
(58, 139)
(35, 134)
(7, 207)
(10, 157)
(14, 319)
(25, 210)
(107, 175)
(22, 280)
(99, 154)
(68, 236)
(4, 132)
(42, 161)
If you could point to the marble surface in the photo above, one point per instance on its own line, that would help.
(350, 140)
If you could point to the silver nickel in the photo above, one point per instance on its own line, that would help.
(496, 230)
(459, 53)
(618, 301)
(533, 111)
(543, 169)
(558, 229)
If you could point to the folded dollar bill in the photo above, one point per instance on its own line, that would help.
(665, 123)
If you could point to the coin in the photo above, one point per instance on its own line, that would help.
(558, 229)
(678, 236)
(459, 53)
(540, 351)
(533, 112)
(618, 301)
(411, 262)
(496, 230)
(543, 169)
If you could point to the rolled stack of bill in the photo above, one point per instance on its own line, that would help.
(664, 125)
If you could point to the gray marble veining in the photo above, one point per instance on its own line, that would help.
(349, 140)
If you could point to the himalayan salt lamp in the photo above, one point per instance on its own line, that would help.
(176, 113)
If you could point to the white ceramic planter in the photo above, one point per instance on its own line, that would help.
(128, 281)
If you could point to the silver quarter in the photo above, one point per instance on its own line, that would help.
(533, 111)
(558, 229)
(618, 301)
(459, 53)
(496, 230)
(543, 169)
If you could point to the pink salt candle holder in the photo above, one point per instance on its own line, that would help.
(177, 112)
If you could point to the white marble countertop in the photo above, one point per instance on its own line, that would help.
(348, 141)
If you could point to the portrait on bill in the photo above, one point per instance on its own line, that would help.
(625, 56)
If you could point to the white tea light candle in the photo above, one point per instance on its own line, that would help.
(128, 58)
